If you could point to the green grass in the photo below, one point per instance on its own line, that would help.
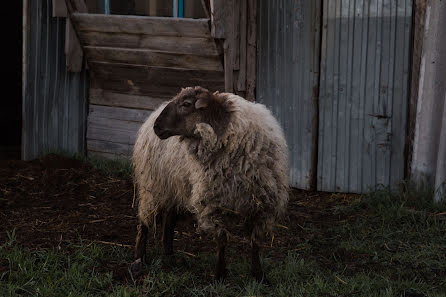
(384, 244)
(117, 167)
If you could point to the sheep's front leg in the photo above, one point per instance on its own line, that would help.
(169, 223)
(140, 249)
(220, 272)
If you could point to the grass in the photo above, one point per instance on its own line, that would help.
(388, 243)
(117, 167)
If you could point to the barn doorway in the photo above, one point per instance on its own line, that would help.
(11, 107)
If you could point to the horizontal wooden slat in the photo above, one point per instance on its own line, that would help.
(162, 26)
(108, 98)
(152, 58)
(107, 155)
(119, 113)
(140, 80)
(156, 75)
(112, 130)
(109, 147)
(172, 44)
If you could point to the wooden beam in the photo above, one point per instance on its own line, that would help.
(159, 26)
(152, 58)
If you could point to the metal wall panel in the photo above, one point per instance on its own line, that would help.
(287, 71)
(363, 93)
(54, 100)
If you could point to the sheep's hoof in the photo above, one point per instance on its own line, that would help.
(137, 268)
(220, 275)
(261, 279)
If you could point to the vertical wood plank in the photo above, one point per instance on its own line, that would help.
(219, 11)
(236, 34)
(241, 82)
(251, 50)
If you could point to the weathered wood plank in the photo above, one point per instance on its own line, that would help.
(105, 155)
(73, 50)
(219, 10)
(169, 76)
(108, 98)
(112, 130)
(251, 50)
(229, 83)
(152, 58)
(108, 147)
(59, 8)
(119, 113)
(141, 80)
(128, 24)
(172, 44)
(132, 88)
(206, 8)
(241, 83)
(236, 29)
(228, 46)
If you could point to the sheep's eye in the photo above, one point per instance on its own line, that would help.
(186, 104)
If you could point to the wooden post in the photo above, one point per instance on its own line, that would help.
(218, 18)
(251, 51)
(59, 8)
(228, 66)
(241, 84)
(206, 7)
(418, 22)
(222, 27)
(73, 49)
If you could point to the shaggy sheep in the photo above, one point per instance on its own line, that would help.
(218, 156)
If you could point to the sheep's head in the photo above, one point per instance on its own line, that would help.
(190, 107)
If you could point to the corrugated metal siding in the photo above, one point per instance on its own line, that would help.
(363, 93)
(287, 68)
(54, 101)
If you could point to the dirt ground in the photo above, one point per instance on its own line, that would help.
(54, 200)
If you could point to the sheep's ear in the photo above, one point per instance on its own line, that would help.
(201, 103)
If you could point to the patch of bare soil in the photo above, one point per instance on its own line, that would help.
(53, 200)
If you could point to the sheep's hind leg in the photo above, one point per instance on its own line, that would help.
(220, 272)
(140, 249)
(256, 266)
(169, 223)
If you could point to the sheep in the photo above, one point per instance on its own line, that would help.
(218, 156)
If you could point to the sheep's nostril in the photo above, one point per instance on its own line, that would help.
(156, 128)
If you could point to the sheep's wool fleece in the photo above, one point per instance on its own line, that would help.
(242, 174)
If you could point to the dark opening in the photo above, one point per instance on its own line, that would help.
(11, 105)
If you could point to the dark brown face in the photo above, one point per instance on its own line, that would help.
(190, 107)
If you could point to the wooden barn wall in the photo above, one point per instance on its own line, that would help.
(54, 100)
(363, 99)
(136, 63)
(287, 73)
